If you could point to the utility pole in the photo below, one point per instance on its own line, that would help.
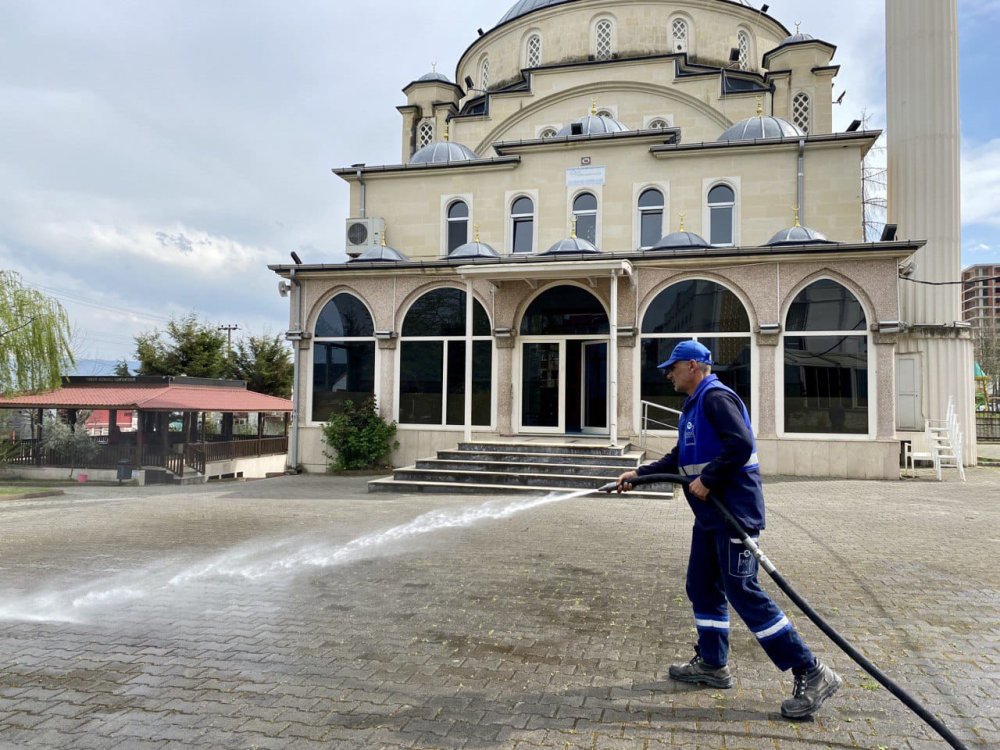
(229, 328)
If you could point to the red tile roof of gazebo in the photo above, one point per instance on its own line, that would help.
(151, 394)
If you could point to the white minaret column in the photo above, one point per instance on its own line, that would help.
(924, 151)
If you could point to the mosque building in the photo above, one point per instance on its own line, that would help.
(605, 178)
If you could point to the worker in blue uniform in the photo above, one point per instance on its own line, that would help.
(716, 448)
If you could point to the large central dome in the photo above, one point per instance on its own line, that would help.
(523, 7)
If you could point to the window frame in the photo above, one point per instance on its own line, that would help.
(446, 202)
(709, 185)
(688, 38)
(574, 196)
(638, 190)
(749, 63)
(532, 35)
(807, 129)
(484, 72)
(596, 41)
(872, 360)
(510, 198)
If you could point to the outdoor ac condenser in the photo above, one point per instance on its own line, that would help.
(363, 234)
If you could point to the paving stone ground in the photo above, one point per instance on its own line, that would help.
(244, 616)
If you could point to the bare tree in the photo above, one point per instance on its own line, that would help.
(874, 186)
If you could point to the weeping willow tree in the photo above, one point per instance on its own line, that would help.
(34, 338)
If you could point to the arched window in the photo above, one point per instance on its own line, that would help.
(343, 356)
(721, 215)
(425, 133)
(548, 133)
(679, 35)
(533, 51)
(743, 44)
(522, 225)
(603, 40)
(565, 311)
(658, 124)
(706, 311)
(826, 362)
(458, 224)
(650, 217)
(484, 73)
(801, 111)
(585, 216)
(432, 361)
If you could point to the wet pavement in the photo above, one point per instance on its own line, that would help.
(280, 614)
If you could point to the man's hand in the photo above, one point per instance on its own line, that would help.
(699, 490)
(624, 485)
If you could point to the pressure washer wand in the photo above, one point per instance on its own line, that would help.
(909, 701)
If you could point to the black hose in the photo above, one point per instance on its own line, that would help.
(909, 701)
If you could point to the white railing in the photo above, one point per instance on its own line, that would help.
(649, 423)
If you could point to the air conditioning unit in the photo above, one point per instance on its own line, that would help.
(363, 234)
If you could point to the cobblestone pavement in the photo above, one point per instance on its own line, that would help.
(243, 616)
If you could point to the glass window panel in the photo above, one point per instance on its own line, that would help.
(482, 382)
(696, 306)
(455, 396)
(651, 228)
(825, 305)
(458, 210)
(522, 206)
(731, 358)
(522, 235)
(651, 199)
(586, 228)
(585, 202)
(722, 226)
(564, 310)
(721, 194)
(344, 316)
(540, 385)
(342, 372)
(458, 234)
(823, 384)
(654, 384)
(442, 313)
(421, 381)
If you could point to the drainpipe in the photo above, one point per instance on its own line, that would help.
(293, 443)
(802, 181)
(359, 173)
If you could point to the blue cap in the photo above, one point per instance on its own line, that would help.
(688, 350)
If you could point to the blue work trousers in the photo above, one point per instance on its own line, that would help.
(722, 570)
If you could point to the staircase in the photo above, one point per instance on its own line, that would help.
(531, 468)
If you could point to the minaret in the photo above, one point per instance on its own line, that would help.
(925, 199)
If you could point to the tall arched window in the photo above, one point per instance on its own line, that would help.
(343, 356)
(533, 51)
(744, 46)
(585, 216)
(702, 310)
(650, 217)
(801, 111)
(679, 35)
(522, 225)
(603, 40)
(432, 361)
(458, 224)
(721, 215)
(484, 73)
(425, 133)
(826, 362)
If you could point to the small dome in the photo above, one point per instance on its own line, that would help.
(797, 235)
(798, 36)
(760, 127)
(571, 245)
(434, 76)
(593, 125)
(474, 249)
(380, 254)
(681, 241)
(441, 152)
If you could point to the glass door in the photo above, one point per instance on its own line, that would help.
(542, 400)
(594, 386)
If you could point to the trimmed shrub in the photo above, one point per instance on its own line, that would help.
(359, 437)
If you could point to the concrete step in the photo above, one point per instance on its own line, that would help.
(551, 482)
(628, 461)
(521, 467)
(554, 447)
(391, 484)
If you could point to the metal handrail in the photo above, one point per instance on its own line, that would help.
(646, 421)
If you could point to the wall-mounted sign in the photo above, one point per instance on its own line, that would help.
(585, 176)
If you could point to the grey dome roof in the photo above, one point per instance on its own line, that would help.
(681, 241)
(759, 127)
(574, 245)
(474, 249)
(380, 254)
(434, 76)
(440, 152)
(798, 36)
(523, 7)
(797, 235)
(594, 125)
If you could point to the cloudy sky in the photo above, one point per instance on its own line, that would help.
(156, 155)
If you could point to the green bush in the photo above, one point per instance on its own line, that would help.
(360, 438)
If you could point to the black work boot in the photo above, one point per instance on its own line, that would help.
(811, 689)
(700, 673)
